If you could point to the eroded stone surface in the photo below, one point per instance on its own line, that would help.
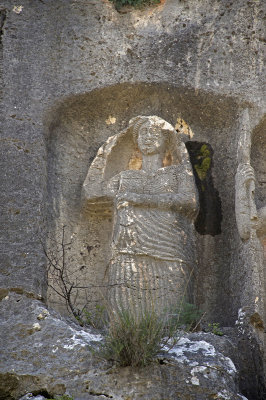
(56, 359)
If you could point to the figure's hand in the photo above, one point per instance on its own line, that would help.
(123, 196)
(245, 173)
(246, 211)
(123, 199)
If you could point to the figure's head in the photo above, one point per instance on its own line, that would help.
(149, 135)
(150, 138)
(154, 135)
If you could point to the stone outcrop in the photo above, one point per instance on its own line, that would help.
(45, 354)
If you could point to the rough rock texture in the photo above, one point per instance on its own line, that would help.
(76, 72)
(73, 73)
(42, 353)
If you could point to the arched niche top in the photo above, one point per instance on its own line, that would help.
(203, 111)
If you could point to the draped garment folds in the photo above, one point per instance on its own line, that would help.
(153, 251)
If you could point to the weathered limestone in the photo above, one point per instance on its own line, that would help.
(155, 204)
(43, 353)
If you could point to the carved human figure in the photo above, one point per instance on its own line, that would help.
(250, 220)
(251, 225)
(152, 249)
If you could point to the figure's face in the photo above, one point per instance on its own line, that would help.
(150, 139)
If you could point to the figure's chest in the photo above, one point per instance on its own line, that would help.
(161, 181)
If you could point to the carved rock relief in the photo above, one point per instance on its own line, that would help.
(250, 219)
(153, 198)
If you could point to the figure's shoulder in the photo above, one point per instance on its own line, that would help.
(128, 174)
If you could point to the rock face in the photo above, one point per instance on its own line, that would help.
(42, 353)
(72, 74)
(88, 70)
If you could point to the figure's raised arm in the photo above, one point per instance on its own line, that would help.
(97, 189)
(245, 207)
(180, 202)
(101, 182)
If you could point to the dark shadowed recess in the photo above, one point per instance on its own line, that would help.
(258, 161)
(2, 21)
(209, 218)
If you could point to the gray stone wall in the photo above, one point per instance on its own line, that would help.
(73, 73)
(67, 66)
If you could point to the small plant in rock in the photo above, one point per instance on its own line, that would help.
(65, 279)
(214, 328)
(186, 316)
(63, 275)
(136, 339)
(135, 3)
(96, 318)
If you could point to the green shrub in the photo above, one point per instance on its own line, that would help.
(215, 328)
(133, 340)
(136, 340)
(186, 316)
(135, 3)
